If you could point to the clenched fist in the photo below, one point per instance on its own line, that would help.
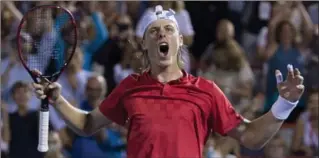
(46, 89)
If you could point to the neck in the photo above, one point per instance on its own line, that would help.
(55, 154)
(166, 74)
(286, 45)
(22, 110)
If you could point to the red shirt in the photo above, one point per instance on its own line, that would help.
(171, 120)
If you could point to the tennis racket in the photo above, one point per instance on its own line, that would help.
(46, 40)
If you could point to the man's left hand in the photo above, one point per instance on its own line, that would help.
(292, 88)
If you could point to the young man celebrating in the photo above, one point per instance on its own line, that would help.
(170, 113)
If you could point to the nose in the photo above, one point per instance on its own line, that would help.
(161, 33)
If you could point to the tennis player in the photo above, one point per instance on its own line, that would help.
(170, 113)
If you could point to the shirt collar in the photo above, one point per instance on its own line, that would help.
(148, 78)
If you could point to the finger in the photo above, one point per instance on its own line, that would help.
(299, 79)
(300, 87)
(279, 77)
(42, 96)
(297, 72)
(290, 75)
(36, 72)
(52, 86)
(282, 88)
(37, 86)
(39, 92)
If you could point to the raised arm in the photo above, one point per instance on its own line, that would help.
(307, 25)
(255, 134)
(271, 42)
(13, 9)
(81, 122)
(101, 33)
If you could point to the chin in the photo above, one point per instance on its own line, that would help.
(165, 63)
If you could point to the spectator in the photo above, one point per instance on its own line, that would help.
(305, 141)
(313, 12)
(106, 142)
(219, 146)
(5, 132)
(283, 49)
(234, 79)
(111, 52)
(13, 71)
(74, 78)
(23, 125)
(55, 146)
(98, 34)
(312, 62)
(256, 15)
(235, 13)
(123, 68)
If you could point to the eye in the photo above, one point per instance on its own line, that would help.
(170, 29)
(152, 31)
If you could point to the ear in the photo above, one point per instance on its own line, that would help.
(181, 42)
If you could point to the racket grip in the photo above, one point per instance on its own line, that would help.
(43, 131)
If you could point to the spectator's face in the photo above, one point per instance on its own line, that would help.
(162, 42)
(286, 35)
(313, 105)
(225, 30)
(94, 89)
(124, 27)
(21, 96)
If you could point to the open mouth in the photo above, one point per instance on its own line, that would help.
(163, 48)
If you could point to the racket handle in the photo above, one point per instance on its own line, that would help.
(43, 131)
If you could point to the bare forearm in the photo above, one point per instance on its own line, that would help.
(74, 117)
(260, 131)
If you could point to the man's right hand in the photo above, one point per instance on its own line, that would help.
(44, 89)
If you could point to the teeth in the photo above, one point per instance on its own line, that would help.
(163, 44)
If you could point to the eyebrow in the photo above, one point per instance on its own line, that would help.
(156, 27)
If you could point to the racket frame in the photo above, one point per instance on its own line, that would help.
(44, 110)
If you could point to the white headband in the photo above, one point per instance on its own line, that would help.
(158, 14)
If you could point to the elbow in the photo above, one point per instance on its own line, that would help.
(252, 141)
(87, 129)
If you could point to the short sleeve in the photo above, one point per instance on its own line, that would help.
(111, 107)
(224, 116)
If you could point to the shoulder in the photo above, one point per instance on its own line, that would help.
(131, 80)
(203, 84)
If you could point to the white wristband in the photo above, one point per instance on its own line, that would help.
(282, 108)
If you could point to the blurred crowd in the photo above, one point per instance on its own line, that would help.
(237, 44)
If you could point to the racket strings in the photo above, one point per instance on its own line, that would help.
(46, 48)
